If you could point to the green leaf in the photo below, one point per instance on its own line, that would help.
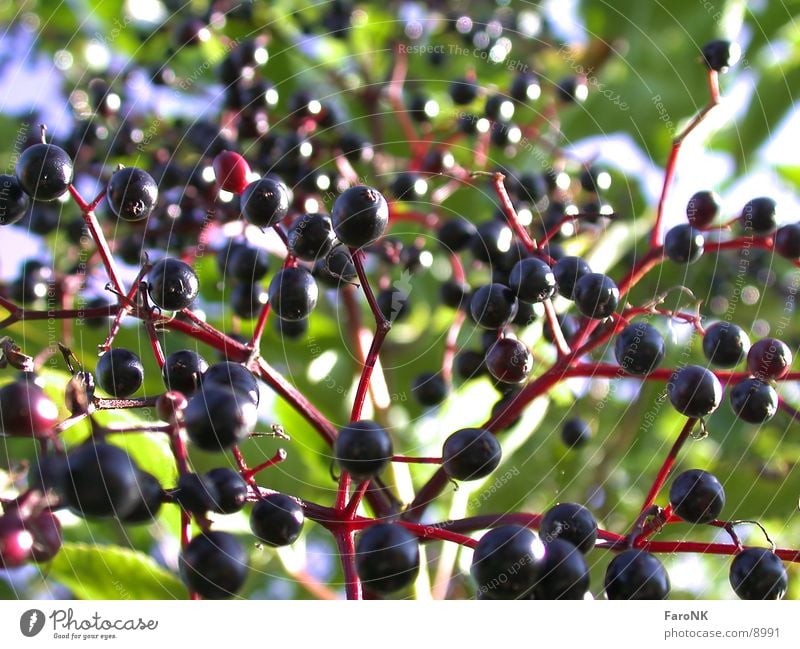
(112, 572)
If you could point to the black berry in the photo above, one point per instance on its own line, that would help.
(363, 449)
(683, 244)
(360, 216)
(757, 573)
(787, 239)
(430, 389)
(119, 372)
(196, 494)
(509, 360)
(132, 194)
(571, 522)
(719, 55)
(265, 202)
(277, 520)
(463, 91)
(491, 241)
(532, 280)
(471, 454)
(172, 284)
(567, 271)
(183, 371)
(636, 574)
(455, 235)
(150, 497)
(243, 262)
(311, 236)
(232, 376)
(507, 562)
(697, 496)
(576, 433)
(754, 401)
(44, 171)
(769, 358)
(596, 295)
(231, 490)
(759, 215)
(493, 306)
(214, 565)
(564, 573)
(702, 208)
(293, 293)
(14, 201)
(217, 418)
(725, 344)
(387, 558)
(639, 348)
(694, 391)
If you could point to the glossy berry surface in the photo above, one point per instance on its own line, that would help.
(231, 490)
(243, 262)
(293, 293)
(493, 306)
(507, 562)
(471, 454)
(636, 574)
(697, 496)
(684, 244)
(532, 280)
(757, 573)
(360, 216)
(564, 573)
(725, 344)
(754, 401)
(150, 498)
(639, 348)
(509, 360)
(490, 241)
(694, 391)
(119, 372)
(719, 55)
(429, 389)
(101, 481)
(702, 208)
(769, 358)
(277, 520)
(44, 171)
(214, 565)
(265, 202)
(172, 284)
(455, 235)
(570, 522)
(311, 236)
(218, 417)
(26, 411)
(787, 240)
(14, 201)
(387, 558)
(596, 295)
(132, 194)
(231, 171)
(567, 271)
(363, 449)
(196, 494)
(576, 432)
(183, 371)
(232, 376)
(759, 215)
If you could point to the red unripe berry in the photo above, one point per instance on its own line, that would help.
(231, 171)
(16, 542)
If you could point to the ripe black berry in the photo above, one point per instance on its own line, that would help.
(491, 241)
(564, 574)
(387, 558)
(725, 344)
(507, 562)
(363, 449)
(471, 454)
(702, 208)
(102, 480)
(183, 371)
(636, 574)
(769, 358)
(265, 202)
(596, 295)
(572, 90)
(469, 364)
(217, 418)
(571, 522)
(759, 215)
(231, 490)
(787, 239)
(132, 194)
(13, 200)
(757, 573)
(247, 300)
(232, 375)
(277, 520)
(430, 389)
(172, 284)
(26, 411)
(455, 235)
(754, 401)
(242, 262)
(311, 236)
(697, 496)
(639, 348)
(360, 216)
(119, 372)
(214, 565)
(453, 294)
(576, 433)
(567, 271)
(291, 329)
(719, 55)
(683, 244)
(196, 494)
(525, 87)
(293, 293)
(493, 306)
(463, 91)
(509, 360)
(44, 171)
(694, 391)
(408, 186)
(150, 497)
(532, 280)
